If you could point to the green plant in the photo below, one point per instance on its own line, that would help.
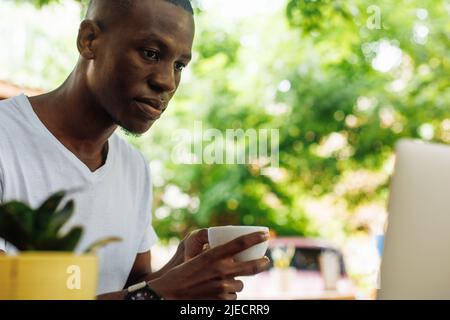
(40, 229)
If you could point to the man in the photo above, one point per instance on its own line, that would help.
(131, 57)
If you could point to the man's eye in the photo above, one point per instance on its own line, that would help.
(180, 66)
(151, 54)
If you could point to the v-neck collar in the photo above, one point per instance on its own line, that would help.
(92, 176)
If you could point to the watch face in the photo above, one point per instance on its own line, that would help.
(145, 293)
(139, 295)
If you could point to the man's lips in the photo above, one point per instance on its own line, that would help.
(151, 108)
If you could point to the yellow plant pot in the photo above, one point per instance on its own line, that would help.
(48, 276)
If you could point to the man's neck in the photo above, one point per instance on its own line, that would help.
(73, 116)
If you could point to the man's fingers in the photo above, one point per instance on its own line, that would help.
(220, 289)
(198, 237)
(249, 268)
(194, 243)
(228, 296)
(201, 236)
(238, 245)
(215, 263)
(233, 286)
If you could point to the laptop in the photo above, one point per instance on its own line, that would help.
(416, 254)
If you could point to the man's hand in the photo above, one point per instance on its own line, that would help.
(210, 275)
(194, 244)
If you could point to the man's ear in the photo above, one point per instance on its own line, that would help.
(87, 39)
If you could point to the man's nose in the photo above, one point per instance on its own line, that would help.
(163, 78)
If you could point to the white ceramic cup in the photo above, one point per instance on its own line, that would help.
(220, 235)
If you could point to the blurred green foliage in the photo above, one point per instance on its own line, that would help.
(41, 3)
(315, 71)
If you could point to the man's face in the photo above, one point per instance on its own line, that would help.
(138, 63)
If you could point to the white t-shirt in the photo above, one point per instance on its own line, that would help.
(115, 200)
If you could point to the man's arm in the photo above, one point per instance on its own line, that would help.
(189, 247)
(142, 271)
(142, 268)
(209, 275)
(194, 273)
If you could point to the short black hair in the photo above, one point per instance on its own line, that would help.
(127, 4)
(185, 4)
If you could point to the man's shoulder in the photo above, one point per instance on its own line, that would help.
(13, 110)
(12, 116)
(7, 101)
(8, 106)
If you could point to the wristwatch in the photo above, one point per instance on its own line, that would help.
(142, 291)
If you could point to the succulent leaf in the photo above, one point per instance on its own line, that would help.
(57, 221)
(44, 213)
(68, 242)
(39, 230)
(16, 224)
(101, 243)
(60, 218)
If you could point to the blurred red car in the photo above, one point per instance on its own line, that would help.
(295, 272)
